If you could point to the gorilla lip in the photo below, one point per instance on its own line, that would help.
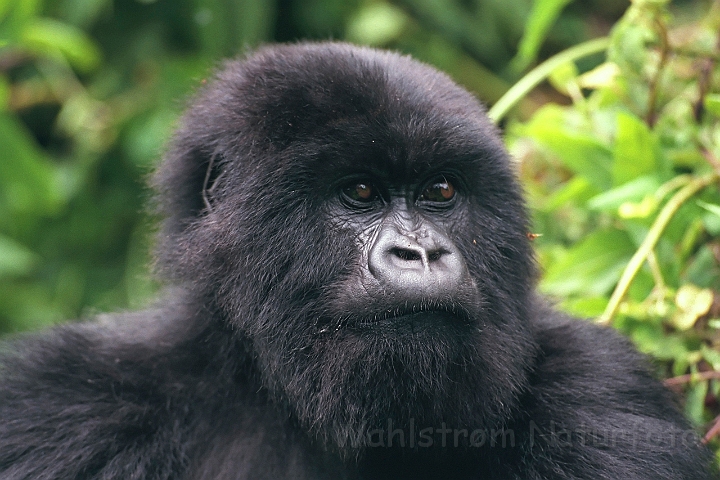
(413, 315)
(416, 315)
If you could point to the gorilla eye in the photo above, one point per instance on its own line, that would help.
(440, 190)
(361, 192)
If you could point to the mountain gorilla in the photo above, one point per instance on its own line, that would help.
(353, 297)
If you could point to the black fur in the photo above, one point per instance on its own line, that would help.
(280, 354)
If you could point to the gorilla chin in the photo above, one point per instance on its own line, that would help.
(414, 371)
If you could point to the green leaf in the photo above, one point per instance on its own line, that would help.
(634, 152)
(627, 48)
(652, 340)
(585, 307)
(28, 181)
(582, 153)
(642, 209)
(633, 191)
(712, 103)
(543, 15)
(22, 10)
(711, 356)
(575, 189)
(85, 13)
(599, 77)
(146, 136)
(562, 76)
(695, 402)
(15, 258)
(692, 303)
(51, 37)
(4, 92)
(591, 267)
(377, 24)
(710, 207)
(702, 269)
(4, 10)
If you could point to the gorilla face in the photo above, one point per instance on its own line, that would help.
(361, 229)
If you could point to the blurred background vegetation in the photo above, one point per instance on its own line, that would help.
(618, 145)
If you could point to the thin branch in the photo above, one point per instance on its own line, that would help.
(704, 82)
(535, 76)
(656, 230)
(691, 377)
(713, 432)
(693, 55)
(711, 159)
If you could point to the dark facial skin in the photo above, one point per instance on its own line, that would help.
(409, 267)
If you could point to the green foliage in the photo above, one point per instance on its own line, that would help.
(624, 186)
(543, 15)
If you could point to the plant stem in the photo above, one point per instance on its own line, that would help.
(535, 76)
(650, 116)
(657, 228)
(690, 377)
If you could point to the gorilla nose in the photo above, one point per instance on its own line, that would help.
(414, 257)
(422, 266)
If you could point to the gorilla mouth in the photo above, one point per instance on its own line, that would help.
(402, 319)
(416, 316)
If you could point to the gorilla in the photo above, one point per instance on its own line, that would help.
(351, 295)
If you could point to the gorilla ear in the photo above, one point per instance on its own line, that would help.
(184, 184)
(196, 154)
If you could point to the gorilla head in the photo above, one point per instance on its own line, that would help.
(353, 216)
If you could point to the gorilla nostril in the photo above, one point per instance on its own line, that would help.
(435, 255)
(405, 254)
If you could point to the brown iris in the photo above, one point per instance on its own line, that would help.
(360, 192)
(439, 191)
